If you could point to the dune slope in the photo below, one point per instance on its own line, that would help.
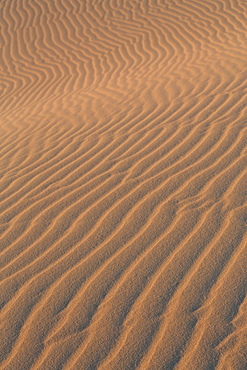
(123, 184)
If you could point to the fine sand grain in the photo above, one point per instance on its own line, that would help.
(123, 138)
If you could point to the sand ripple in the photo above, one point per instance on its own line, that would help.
(123, 184)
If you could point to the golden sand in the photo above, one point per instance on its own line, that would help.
(123, 219)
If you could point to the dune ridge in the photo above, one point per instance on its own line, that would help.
(123, 184)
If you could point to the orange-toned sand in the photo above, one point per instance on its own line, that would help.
(123, 138)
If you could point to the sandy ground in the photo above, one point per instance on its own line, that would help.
(123, 138)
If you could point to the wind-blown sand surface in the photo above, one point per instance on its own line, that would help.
(123, 137)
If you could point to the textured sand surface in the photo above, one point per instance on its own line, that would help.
(123, 139)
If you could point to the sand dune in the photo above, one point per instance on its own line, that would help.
(123, 184)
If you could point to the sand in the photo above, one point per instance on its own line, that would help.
(123, 138)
